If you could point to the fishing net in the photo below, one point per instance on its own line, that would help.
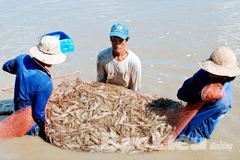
(98, 117)
(21, 121)
(212, 92)
(17, 124)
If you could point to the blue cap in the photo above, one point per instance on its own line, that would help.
(119, 30)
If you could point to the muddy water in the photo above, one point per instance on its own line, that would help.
(170, 38)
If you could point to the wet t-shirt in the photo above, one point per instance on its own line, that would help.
(126, 73)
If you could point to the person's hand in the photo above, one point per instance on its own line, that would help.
(212, 92)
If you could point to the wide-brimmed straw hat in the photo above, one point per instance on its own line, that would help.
(222, 62)
(48, 51)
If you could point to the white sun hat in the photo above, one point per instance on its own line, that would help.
(222, 62)
(48, 51)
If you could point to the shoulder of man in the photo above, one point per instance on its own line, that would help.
(104, 54)
(21, 56)
(105, 51)
(134, 58)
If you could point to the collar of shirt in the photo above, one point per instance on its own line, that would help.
(43, 67)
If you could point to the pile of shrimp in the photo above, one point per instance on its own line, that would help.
(98, 117)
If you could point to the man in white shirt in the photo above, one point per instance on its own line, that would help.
(119, 65)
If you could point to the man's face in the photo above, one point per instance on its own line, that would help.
(48, 65)
(118, 44)
(217, 79)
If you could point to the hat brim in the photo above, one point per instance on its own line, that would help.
(47, 59)
(119, 34)
(213, 68)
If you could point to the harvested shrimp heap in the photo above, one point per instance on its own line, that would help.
(97, 117)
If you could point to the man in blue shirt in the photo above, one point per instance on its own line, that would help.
(33, 84)
(218, 71)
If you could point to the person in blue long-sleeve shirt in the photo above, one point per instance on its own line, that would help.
(219, 70)
(33, 84)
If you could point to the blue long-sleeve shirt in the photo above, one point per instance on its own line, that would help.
(205, 121)
(33, 85)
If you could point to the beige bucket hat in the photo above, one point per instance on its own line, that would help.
(222, 62)
(48, 51)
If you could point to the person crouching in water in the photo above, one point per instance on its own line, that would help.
(117, 64)
(211, 84)
(33, 84)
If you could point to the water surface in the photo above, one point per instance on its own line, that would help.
(169, 36)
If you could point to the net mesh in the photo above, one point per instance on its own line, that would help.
(21, 121)
(97, 117)
(16, 125)
(212, 92)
